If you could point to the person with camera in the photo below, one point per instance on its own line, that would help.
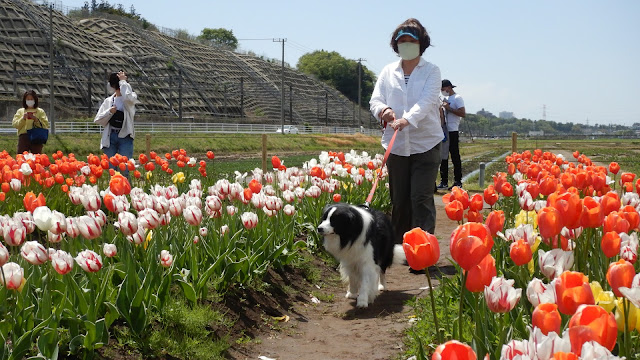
(27, 118)
(453, 107)
(116, 115)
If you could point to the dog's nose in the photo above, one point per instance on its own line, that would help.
(320, 230)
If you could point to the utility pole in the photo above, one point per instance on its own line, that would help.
(360, 60)
(282, 40)
(51, 115)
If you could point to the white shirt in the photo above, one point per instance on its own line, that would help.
(453, 120)
(417, 102)
(129, 99)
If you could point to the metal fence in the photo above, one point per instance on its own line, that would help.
(200, 128)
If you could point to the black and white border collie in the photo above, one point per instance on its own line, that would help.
(362, 241)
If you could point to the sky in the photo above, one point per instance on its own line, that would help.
(567, 61)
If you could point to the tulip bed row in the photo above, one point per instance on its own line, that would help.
(564, 232)
(95, 247)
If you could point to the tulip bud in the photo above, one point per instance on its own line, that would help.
(166, 259)
(34, 253)
(109, 250)
(89, 261)
(61, 261)
(13, 278)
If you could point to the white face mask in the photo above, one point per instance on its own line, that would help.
(444, 93)
(30, 103)
(408, 51)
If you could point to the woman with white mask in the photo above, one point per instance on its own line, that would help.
(30, 116)
(116, 115)
(406, 99)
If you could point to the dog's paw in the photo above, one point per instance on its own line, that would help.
(362, 302)
(351, 295)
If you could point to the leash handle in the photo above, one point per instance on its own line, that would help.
(384, 162)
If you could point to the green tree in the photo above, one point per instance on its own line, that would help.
(219, 36)
(338, 72)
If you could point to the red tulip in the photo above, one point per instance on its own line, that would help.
(453, 349)
(474, 216)
(454, 210)
(592, 215)
(631, 215)
(460, 195)
(495, 221)
(620, 274)
(210, 154)
(470, 243)
(614, 168)
(570, 207)
(610, 244)
(255, 186)
(627, 177)
(592, 323)
(421, 248)
(549, 222)
(610, 202)
(337, 197)
(31, 202)
(547, 318)
(573, 290)
(520, 252)
(480, 275)
(476, 203)
(615, 222)
(275, 162)
(490, 195)
(507, 189)
(561, 355)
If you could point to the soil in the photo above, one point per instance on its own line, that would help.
(334, 328)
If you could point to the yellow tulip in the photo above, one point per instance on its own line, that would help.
(521, 219)
(148, 239)
(178, 177)
(606, 299)
(530, 266)
(634, 316)
(148, 175)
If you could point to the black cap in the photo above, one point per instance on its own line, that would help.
(446, 83)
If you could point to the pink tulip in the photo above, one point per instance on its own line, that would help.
(148, 218)
(59, 222)
(175, 207)
(166, 259)
(249, 220)
(89, 227)
(13, 276)
(127, 223)
(289, 210)
(54, 238)
(26, 219)
(213, 203)
(554, 262)
(34, 253)
(203, 231)
(14, 233)
(109, 250)
(138, 237)
(89, 261)
(192, 215)
(4, 255)
(61, 261)
(91, 200)
(501, 296)
(540, 293)
(72, 227)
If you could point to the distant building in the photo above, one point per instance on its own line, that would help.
(484, 113)
(536, 133)
(506, 115)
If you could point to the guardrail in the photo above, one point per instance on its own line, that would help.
(200, 128)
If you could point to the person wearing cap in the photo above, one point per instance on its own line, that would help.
(453, 107)
(405, 99)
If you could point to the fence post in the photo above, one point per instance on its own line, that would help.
(481, 175)
(148, 143)
(514, 142)
(264, 153)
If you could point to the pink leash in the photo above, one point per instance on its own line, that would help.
(384, 161)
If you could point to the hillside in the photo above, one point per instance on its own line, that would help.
(172, 77)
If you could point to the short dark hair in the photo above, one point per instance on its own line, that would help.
(415, 27)
(114, 81)
(35, 98)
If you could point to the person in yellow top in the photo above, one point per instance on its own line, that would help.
(26, 118)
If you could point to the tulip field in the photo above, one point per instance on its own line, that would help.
(546, 261)
(86, 247)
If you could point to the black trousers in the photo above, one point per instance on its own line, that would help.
(411, 180)
(454, 150)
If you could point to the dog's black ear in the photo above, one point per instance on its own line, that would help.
(326, 210)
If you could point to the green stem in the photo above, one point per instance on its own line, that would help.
(462, 287)
(433, 307)
(627, 340)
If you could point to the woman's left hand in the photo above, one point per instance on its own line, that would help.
(399, 124)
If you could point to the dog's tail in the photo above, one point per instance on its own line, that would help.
(399, 256)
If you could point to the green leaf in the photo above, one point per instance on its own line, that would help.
(111, 315)
(81, 302)
(48, 343)
(188, 291)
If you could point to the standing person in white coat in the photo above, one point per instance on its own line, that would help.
(406, 98)
(116, 115)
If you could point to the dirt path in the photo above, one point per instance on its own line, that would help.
(336, 329)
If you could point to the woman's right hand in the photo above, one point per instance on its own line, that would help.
(388, 116)
(113, 109)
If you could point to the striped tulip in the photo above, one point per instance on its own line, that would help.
(61, 261)
(13, 276)
(89, 261)
(34, 253)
